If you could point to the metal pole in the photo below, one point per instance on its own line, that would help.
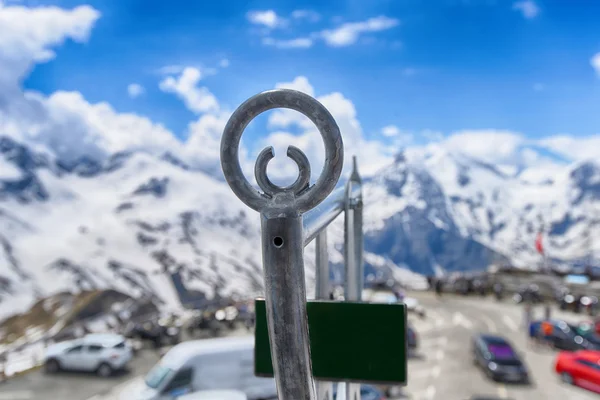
(324, 388)
(352, 289)
(322, 267)
(358, 227)
(281, 210)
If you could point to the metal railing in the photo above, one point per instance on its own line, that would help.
(291, 217)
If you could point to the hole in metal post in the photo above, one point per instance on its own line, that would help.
(278, 241)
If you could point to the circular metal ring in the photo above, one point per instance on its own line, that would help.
(304, 197)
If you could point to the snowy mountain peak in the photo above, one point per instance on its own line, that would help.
(19, 155)
(151, 226)
(585, 179)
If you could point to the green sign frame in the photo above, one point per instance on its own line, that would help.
(349, 341)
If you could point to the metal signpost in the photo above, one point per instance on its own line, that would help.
(295, 340)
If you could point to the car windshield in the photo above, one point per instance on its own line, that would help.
(157, 376)
(502, 351)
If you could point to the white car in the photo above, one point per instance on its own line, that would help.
(412, 305)
(197, 366)
(100, 353)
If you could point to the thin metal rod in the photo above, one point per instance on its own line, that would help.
(324, 388)
(316, 220)
(358, 226)
(319, 218)
(322, 267)
(352, 290)
(351, 287)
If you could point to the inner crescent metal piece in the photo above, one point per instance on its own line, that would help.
(260, 171)
(303, 197)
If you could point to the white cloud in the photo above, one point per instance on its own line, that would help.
(185, 86)
(574, 148)
(224, 63)
(398, 138)
(268, 18)
(135, 90)
(344, 35)
(283, 118)
(63, 121)
(494, 146)
(283, 170)
(390, 131)
(84, 127)
(203, 146)
(67, 123)
(595, 62)
(339, 106)
(298, 43)
(27, 36)
(515, 149)
(300, 83)
(527, 8)
(310, 15)
(348, 33)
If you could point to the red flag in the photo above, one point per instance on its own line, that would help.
(538, 244)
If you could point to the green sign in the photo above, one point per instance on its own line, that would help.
(357, 342)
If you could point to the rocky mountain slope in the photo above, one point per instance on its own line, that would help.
(147, 224)
(435, 211)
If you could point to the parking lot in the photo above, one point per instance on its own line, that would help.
(72, 386)
(79, 386)
(442, 368)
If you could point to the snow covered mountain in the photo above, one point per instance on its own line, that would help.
(438, 210)
(128, 223)
(147, 224)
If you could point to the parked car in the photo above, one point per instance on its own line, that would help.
(580, 368)
(480, 286)
(158, 332)
(578, 303)
(528, 294)
(564, 336)
(196, 365)
(587, 332)
(100, 353)
(413, 305)
(591, 325)
(498, 359)
(207, 321)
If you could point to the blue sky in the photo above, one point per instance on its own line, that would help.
(448, 64)
(513, 82)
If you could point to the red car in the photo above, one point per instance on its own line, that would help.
(580, 368)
